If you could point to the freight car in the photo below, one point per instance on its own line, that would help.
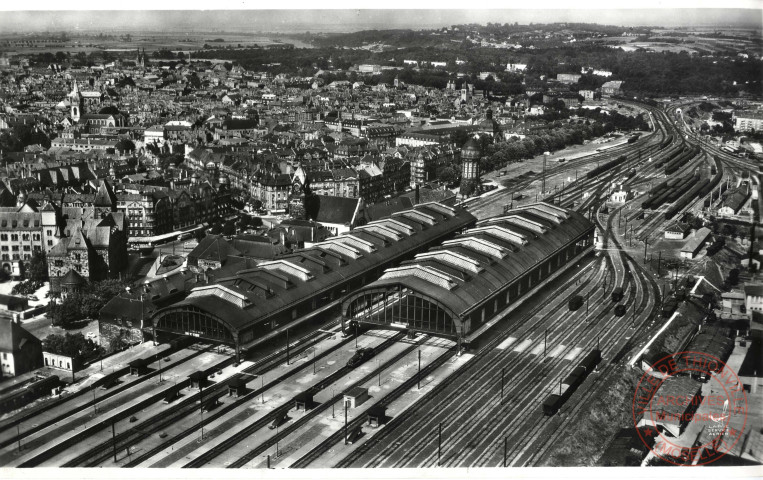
(617, 294)
(40, 387)
(605, 167)
(567, 387)
(575, 302)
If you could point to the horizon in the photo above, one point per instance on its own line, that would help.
(347, 21)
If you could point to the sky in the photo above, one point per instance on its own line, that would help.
(240, 16)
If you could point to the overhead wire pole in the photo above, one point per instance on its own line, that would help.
(114, 440)
(201, 406)
(505, 451)
(418, 374)
(439, 443)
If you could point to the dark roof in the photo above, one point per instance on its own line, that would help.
(13, 337)
(11, 300)
(238, 382)
(356, 392)
(253, 294)
(465, 272)
(213, 247)
(73, 278)
(336, 210)
(388, 207)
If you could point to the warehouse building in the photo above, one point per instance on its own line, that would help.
(453, 289)
(244, 308)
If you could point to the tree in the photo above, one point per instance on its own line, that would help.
(447, 175)
(64, 314)
(73, 345)
(37, 271)
(125, 145)
(229, 229)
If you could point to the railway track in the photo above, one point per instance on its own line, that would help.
(97, 455)
(319, 450)
(26, 416)
(418, 417)
(552, 437)
(240, 436)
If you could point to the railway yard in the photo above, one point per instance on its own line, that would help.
(378, 397)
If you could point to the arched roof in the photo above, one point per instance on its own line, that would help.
(255, 294)
(463, 272)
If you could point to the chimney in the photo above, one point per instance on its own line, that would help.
(417, 197)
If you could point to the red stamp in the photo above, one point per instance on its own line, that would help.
(690, 408)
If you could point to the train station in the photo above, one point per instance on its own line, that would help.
(453, 289)
(242, 309)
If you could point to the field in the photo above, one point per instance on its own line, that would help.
(150, 41)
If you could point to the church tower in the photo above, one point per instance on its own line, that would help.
(75, 101)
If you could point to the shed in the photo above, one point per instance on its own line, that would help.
(377, 415)
(304, 401)
(237, 387)
(677, 231)
(210, 404)
(198, 379)
(695, 243)
(355, 396)
(139, 366)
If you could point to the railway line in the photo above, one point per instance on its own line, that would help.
(85, 425)
(456, 454)
(472, 387)
(101, 454)
(59, 409)
(237, 438)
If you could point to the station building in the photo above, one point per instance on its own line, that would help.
(242, 309)
(453, 289)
